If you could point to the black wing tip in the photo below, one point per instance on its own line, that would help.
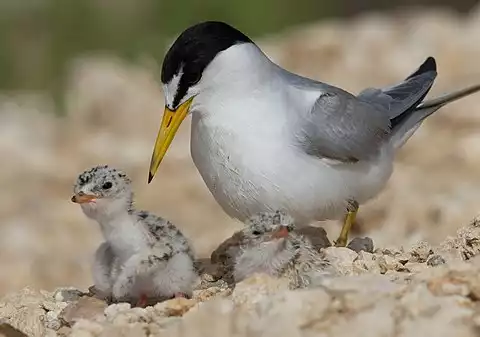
(429, 65)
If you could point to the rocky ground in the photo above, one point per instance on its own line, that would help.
(420, 291)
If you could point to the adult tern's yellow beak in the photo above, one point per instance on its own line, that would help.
(170, 123)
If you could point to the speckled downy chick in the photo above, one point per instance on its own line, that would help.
(143, 256)
(270, 245)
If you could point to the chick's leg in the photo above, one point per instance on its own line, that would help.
(352, 210)
(147, 265)
(123, 286)
(140, 265)
(175, 277)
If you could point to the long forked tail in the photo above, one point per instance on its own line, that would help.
(405, 128)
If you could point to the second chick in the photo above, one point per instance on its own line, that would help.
(268, 244)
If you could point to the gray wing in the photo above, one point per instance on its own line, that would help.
(405, 96)
(350, 128)
(341, 127)
(165, 233)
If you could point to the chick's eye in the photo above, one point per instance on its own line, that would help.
(107, 185)
(256, 233)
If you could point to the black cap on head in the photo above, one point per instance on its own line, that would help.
(194, 49)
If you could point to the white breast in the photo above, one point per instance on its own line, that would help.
(125, 236)
(248, 161)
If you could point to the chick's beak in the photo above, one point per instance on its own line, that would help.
(81, 198)
(280, 233)
(170, 123)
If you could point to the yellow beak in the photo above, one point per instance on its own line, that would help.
(170, 123)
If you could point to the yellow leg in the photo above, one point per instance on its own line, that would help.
(347, 225)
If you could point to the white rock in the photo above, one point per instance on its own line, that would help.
(52, 321)
(366, 262)
(342, 258)
(420, 252)
(114, 309)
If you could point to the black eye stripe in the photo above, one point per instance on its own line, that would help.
(193, 50)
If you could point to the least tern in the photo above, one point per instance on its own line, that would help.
(265, 139)
(144, 257)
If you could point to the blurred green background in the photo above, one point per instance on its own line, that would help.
(39, 37)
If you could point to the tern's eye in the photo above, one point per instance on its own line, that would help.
(107, 185)
(256, 233)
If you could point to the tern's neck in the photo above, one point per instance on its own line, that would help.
(114, 217)
(116, 221)
(109, 210)
(240, 66)
(125, 234)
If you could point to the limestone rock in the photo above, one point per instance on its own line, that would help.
(175, 307)
(211, 292)
(366, 263)
(420, 252)
(435, 260)
(256, 288)
(85, 308)
(386, 263)
(23, 311)
(6, 330)
(465, 245)
(341, 258)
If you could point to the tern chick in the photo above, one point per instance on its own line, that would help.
(268, 244)
(144, 256)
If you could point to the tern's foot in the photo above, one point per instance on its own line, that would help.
(341, 241)
(347, 224)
